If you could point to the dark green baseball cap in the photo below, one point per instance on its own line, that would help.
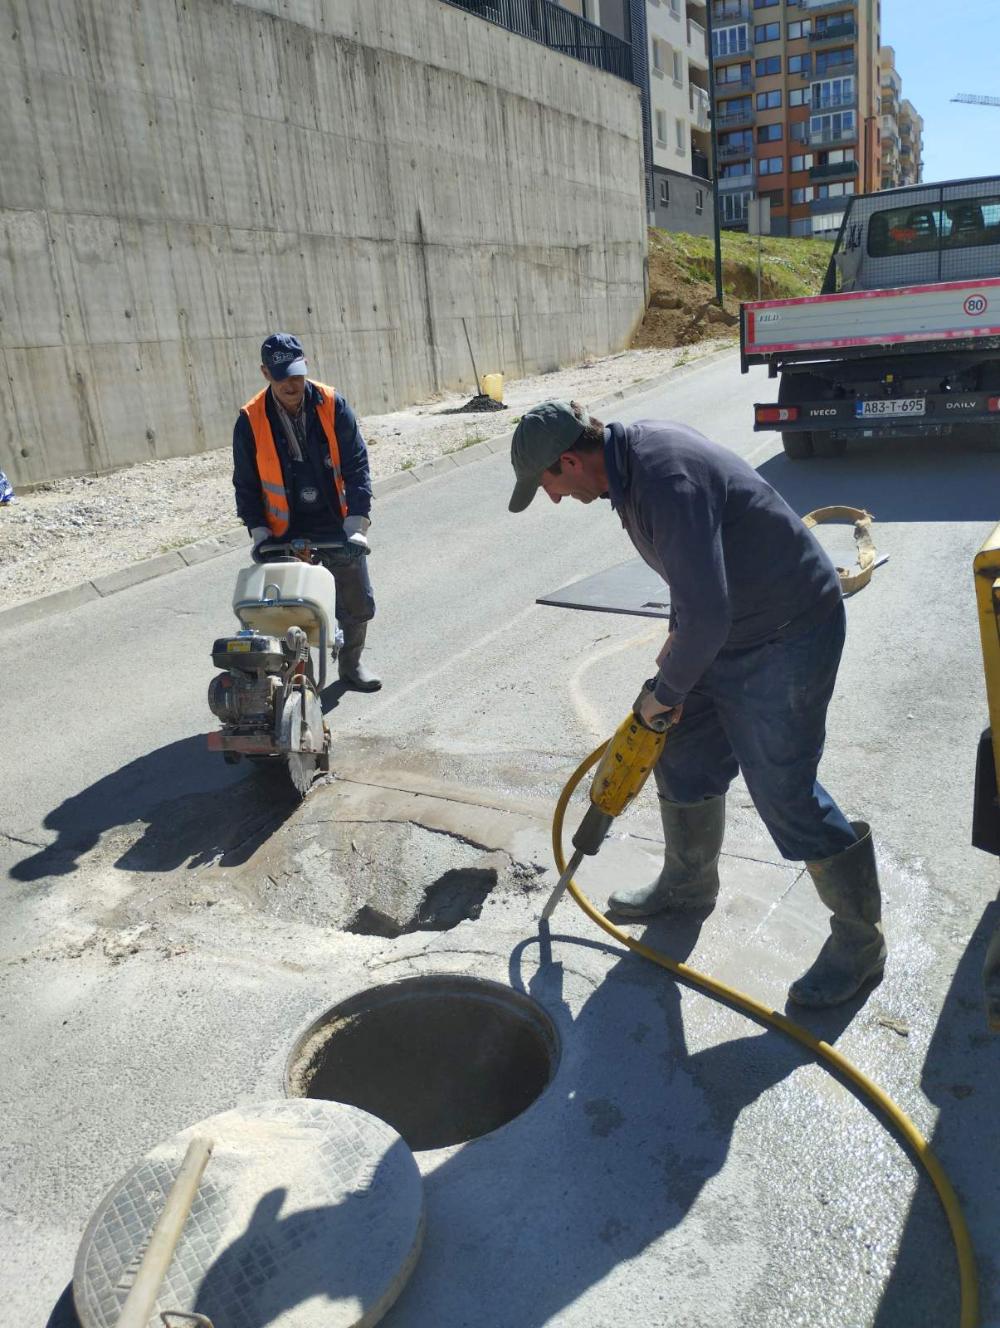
(543, 435)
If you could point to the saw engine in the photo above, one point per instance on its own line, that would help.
(243, 695)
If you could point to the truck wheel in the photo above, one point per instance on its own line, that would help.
(798, 446)
(825, 445)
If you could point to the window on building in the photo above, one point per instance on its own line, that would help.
(664, 192)
(804, 195)
(733, 74)
(800, 64)
(661, 127)
(771, 133)
(834, 59)
(770, 165)
(798, 96)
(733, 206)
(768, 101)
(657, 55)
(776, 197)
(740, 140)
(770, 65)
(731, 40)
(800, 29)
(801, 163)
(675, 8)
(765, 32)
(680, 134)
(729, 169)
(798, 131)
(699, 201)
(678, 61)
(765, 4)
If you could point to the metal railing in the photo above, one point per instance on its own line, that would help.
(837, 204)
(729, 10)
(817, 6)
(733, 151)
(831, 137)
(744, 181)
(699, 165)
(734, 119)
(559, 29)
(834, 68)
(837, 102)
(832, 169)
(835, 32)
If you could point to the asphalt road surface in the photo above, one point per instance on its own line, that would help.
(171, 923)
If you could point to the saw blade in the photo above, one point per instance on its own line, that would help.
(302, 769)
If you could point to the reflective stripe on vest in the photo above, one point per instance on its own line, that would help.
(272, 482)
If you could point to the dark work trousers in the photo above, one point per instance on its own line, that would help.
(762, 711)
(355, 600)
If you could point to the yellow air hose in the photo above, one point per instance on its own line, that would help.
(969, 1317)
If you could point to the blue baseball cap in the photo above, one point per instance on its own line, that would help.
(283, 357)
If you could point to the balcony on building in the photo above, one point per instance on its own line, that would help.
(824, 6)
(559, 29)
(835, 69)
(699, 102)
(822, 138)
(734, 119)
(699, 164)
(697, 43)
(728, 11)
(834, 170)
(842, 32)
(839, 101)
(734, 151)
(727, 182)
(830, 204)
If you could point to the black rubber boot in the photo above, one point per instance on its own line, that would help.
(854, 953)
(349, 664)
(692, 835)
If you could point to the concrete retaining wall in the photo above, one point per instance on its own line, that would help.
(183, 176)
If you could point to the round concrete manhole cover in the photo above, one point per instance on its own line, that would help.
(308, 1214)
(443, 1058)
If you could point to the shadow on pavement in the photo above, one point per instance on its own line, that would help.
(896, 480)
(960, 1076)
(595, 1183)
(196, 808)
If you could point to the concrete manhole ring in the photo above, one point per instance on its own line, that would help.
(309, 1213)
(443, 1058)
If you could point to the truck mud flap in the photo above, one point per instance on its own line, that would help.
(985, 808)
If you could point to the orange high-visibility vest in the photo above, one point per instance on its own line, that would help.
(276, 505)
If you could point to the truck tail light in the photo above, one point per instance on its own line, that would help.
(993, 404)
(776, 414)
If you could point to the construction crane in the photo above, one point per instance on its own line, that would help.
(974, 99)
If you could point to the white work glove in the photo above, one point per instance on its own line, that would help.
(258, 535)
(356, 530)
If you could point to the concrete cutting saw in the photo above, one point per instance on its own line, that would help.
(268, 695)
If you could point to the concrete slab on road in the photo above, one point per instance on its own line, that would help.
(171, 924)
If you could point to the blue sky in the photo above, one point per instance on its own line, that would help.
(944, 47)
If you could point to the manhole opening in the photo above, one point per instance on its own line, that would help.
(441, 1059)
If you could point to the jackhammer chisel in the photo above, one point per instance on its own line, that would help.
(623, 769)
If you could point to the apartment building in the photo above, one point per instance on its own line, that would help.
(797, 104)
(679, 111)
(911, 144)
(898, 166)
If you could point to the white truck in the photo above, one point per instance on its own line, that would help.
(905, 335)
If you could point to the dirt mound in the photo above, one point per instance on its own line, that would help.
(682, 308)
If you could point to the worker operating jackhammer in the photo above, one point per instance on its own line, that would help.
(744, 678)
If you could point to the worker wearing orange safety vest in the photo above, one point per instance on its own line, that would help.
(300, 470)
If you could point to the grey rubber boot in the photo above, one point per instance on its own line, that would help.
(349, 664)
(854, 952)
(692, 842)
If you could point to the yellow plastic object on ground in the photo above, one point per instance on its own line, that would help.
(493, 385)
(968, 1282)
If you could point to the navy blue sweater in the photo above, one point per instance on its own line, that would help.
(325, 519)
(740, 564)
